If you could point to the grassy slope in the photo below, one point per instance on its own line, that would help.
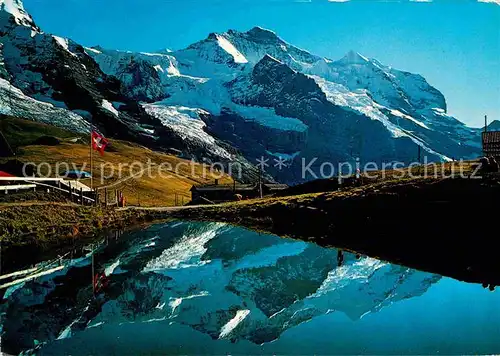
(32, 232)
(148, 191)
(23, 132)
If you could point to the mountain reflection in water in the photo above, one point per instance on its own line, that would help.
(194, 288)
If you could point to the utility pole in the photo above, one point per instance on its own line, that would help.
(260, 183)
(485, 123)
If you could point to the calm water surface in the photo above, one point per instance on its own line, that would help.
(208, 288)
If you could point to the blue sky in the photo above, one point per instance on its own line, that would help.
(454, 44)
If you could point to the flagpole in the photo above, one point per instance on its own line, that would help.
(91, 149)
(93, 271)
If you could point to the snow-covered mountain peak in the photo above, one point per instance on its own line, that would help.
(217, 49)
(257, 42)
(271, 69)
(15, 8)
(263, 35)
(388, 86)
(270, 60)
(353, 57)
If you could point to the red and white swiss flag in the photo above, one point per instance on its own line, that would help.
(99, 142)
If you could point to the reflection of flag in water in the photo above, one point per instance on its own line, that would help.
(99, 142)
(100, 282)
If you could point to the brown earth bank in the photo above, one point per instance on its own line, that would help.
(444, 226)
(31, 232)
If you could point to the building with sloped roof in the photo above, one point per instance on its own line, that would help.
(491, 144)
(218, 193)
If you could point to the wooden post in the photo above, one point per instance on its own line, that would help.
(106, 196)
(260, 183)
(93, 276)
(81, 196)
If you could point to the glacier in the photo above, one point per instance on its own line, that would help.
(14, 103)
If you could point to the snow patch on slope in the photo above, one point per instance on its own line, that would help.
(287, 157)
(93, 50)
(268, 117)
(233, 323)
(229, 48)
(174, 303)
(13, 102)
(16, 9)
(108, 106)
(490, 1)
(186, 252)
(408, 117)
(361, 102)
(108, 271)
(344, 275)
(187, 124)
(64, 43)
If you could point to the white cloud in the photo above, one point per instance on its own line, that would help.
(491, 1)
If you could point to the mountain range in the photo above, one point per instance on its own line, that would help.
(234, 96)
